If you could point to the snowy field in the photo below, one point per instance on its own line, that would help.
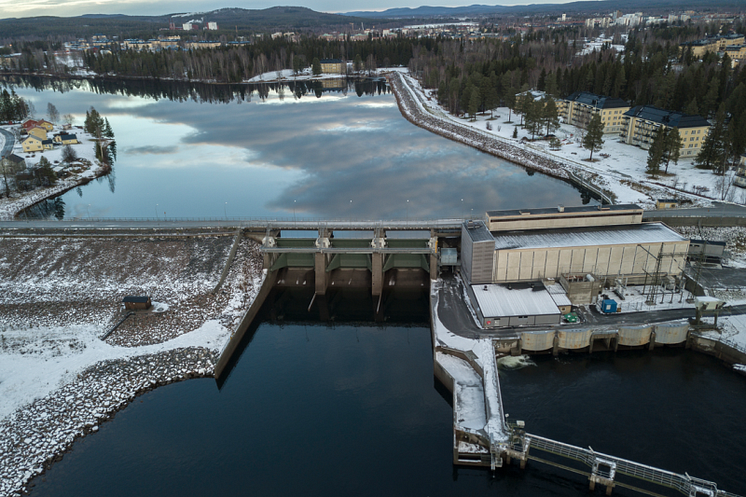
(58, 379)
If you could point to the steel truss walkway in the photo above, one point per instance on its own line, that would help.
(605, 468)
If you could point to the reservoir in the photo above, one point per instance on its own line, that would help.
(217, 151)
(349, 408)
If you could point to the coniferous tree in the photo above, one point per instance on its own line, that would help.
(713, 153)
(672, 146)
(594, 136)
(655, 152)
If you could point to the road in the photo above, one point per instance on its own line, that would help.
(10, 141)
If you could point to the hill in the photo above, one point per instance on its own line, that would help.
(274, 18)
(584, 7)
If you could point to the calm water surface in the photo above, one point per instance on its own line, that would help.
(354, 410)
(343, 155)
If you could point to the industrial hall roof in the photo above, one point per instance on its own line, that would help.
(566, 210)
(643, 234)
(666, 117)
(517, 299)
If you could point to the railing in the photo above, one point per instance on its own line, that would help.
(683, 483)
(456, 221)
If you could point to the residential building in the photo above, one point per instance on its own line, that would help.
(578, 108)
(39, 132)
(740, 179)
(713, 44)
(333, 66)
(13, 164)
(65, 139)
(31, 123)
(737, 54)
(32, 143)
(641, 124)
(202, 44)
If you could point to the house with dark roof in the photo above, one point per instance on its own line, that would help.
(13, 164)
(642, 123)
(579, 108)
(66, 139)
(32, 143)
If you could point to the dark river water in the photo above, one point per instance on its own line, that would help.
(250, 151)
(354, 409)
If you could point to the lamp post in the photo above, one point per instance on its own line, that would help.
(156, 212)
(462, 207)
(89, 210)
(407, 211)
(295, 221)
(225, 210)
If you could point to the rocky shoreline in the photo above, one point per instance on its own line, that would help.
(58, 380)
(33, 438)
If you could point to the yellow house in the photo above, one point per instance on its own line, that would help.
(642, 123)
(578, 108)
(332, 66)
(45, 124)
(38, 132)
(32, 144)
(66, 139)
(737, 53)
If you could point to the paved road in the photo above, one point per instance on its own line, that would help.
(10, 140)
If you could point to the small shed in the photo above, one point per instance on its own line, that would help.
(666, 203)
(133, 303)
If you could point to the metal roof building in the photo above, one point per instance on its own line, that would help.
(520, 304)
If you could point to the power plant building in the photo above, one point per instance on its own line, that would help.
(591, 245)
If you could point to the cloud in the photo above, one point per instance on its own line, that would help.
(150, 149)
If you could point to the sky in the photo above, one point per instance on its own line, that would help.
(69, 8)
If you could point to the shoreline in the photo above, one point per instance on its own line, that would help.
(415, 109)
(12, 207)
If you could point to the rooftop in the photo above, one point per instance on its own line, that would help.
(477, 231)
(565, 210)
(617, 235)
(667, 117)
(598, 101)
(514, 300)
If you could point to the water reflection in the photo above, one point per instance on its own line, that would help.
(298, 150)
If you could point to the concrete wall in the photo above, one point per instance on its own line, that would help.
(671, 333)
(574, 339)
(635, 336)
(536, 342)
(612, 261)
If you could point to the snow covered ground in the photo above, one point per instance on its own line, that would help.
(58, 297)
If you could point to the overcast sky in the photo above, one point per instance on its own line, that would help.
(67, 8)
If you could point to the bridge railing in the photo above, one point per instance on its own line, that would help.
(683, 483)
(283, 222)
